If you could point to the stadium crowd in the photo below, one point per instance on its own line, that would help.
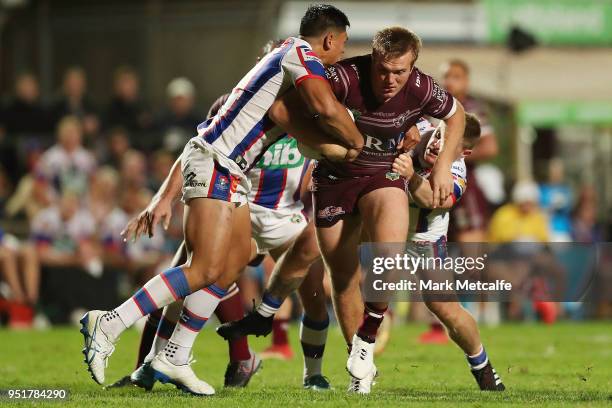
(72, 174)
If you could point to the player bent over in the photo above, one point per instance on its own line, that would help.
(211, 174)
(428, 231)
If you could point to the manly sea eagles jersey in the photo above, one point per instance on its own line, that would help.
(383, 125)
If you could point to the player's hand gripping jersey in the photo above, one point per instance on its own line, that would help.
(382, 124)
(430, 225)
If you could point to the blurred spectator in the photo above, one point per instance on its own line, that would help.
(67, 164)
(5, 191)
(74, 101)
(556, 200)
(585, 227)
(470, 217)
(25, 113)
(147, 254)
(116, 146)
(178, 122)
(102, 197)
(20, 269)
(522, 220)
(64, 235)
(133, 171)
(126, 108)
(162, 162)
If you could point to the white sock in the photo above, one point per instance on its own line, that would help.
(197, 308)
(269, 305)
(158, 292)
(313, 336)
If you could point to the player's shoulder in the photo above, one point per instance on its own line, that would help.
(419, 82)
(348, 71)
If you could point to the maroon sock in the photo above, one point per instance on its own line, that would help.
(279, 332)
(229, 310)
(148, 335)
(372, 318)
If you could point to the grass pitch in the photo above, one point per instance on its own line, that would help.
(567, 364)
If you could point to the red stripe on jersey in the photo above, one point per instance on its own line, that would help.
(282, 189)
(310, 76)
(260, 186)
(301, 57)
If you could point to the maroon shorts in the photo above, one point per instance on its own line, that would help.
(334, 199)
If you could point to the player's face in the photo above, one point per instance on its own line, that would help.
(389, 75)
(456, 81)
(433, 147)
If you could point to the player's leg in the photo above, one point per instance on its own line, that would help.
(280, 348)
(385, 219)
(204, 218)
(173, 363)
(31, 271)
(313, 327)
(157, 330)
(463, 330)
(243, 363)
(288, 274)
(339, 248)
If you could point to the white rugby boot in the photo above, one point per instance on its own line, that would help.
(182, 376)
(361, 360)
(98, 347)
(363, 386)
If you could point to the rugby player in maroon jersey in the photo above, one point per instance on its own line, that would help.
(387, 95)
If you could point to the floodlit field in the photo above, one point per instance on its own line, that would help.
(567, 364)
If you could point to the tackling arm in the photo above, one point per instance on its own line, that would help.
(332, 116)
(287, 113)
(422, 194)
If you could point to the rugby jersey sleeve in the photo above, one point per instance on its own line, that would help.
(339, 80)
(435, 100)
(459, 172)
(301, 63)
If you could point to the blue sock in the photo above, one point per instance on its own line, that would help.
(479, 360)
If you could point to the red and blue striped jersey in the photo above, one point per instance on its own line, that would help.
(241, 129)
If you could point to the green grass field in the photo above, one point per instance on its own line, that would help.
(561, 365)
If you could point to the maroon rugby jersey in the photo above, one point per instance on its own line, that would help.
(383, 124)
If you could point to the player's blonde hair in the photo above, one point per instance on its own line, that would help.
(472, 131)
(393, 42)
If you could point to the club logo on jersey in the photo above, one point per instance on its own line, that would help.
(191, 182)
(296, 218)
(283, 154)
(330, 212)
(391, 175)
(401, 119)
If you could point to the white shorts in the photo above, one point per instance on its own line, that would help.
(273, 228)
(209, 174)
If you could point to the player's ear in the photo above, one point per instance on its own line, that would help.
(328, 41)
(466, 152)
